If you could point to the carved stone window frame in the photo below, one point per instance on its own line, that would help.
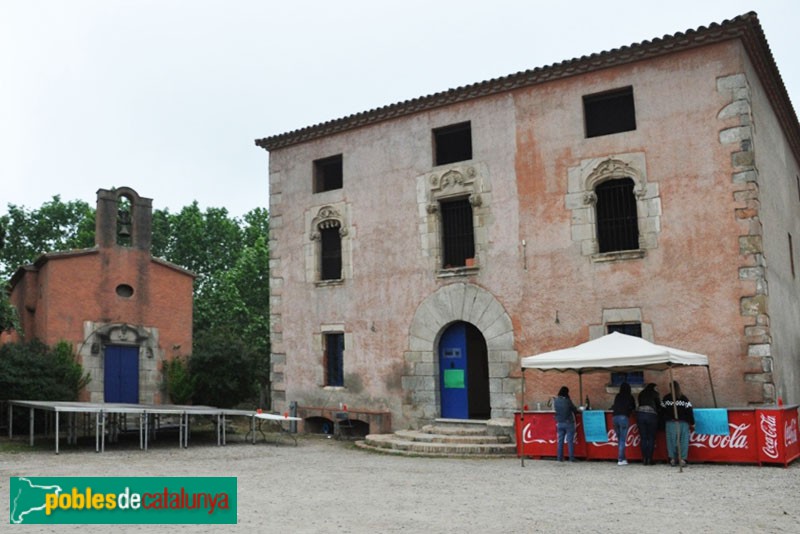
(452, 182)
(327, 216)
(581, 200)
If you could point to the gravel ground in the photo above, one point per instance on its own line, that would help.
(324, 485)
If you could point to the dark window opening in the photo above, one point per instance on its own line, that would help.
(634, 378)
(334, 359)
(328, 174)
(452, 143)
(330, 253)
(458, 237)
(609, 113)
(617, 221)
(124, 291)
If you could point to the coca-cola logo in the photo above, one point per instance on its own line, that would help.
(769, 429)
(532, 434)
(632, 439)
(791, 432)
(528, 435)
(736, 439)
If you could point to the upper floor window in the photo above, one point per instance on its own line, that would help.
(617, 220)
(634, 378)
(458, 236)
(328, 174)
(330, 251)
(452, 143)
(609, 113)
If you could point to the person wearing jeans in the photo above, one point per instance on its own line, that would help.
(678, 414)
(647, 419)
(565, 423)
(623, 407)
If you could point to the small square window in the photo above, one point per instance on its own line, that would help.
(452, 143)
(328, 174)
(609, 113)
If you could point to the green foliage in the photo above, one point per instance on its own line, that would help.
(222, 367)
(35, 371)
(179, 383)
(9, 319)
(56, 226)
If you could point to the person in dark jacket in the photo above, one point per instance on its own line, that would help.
(647, 419)
(622, 409)
(678, 415)
(565, 423)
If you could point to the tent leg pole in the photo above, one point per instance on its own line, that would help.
(580, 388)
(711, 383)
(521, 443)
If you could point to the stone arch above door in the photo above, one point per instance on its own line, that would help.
(475, 305)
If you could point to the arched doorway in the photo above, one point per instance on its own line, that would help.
(464, 373)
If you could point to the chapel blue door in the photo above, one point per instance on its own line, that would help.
(453, 372)
(121, 374)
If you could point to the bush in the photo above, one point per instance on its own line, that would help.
(222, 369)
(34, 371)
(178, 382)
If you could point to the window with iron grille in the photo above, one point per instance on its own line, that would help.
(458, 236)
(617, 220)
(330, 252)
(328, 174)
(452, 143)
(609, 113)
(334, 359)
(634, 378)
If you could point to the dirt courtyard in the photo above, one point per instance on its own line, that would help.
(324, 485)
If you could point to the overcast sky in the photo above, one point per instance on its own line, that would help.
(167, 96)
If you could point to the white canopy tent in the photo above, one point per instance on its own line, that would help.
(614, 352)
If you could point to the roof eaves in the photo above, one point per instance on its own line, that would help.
(745, 27)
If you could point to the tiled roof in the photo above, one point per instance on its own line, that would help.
(745, 27)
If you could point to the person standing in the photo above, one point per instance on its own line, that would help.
(621, 410)
(565, 423)
(679, 415)
(647, 419)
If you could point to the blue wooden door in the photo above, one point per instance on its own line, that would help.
(453, 372)
(121, 374)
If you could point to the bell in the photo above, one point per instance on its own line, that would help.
(124, 230)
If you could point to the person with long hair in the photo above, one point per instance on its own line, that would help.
(678, 414)
(565, 423)
(621, 410)
(647, 419)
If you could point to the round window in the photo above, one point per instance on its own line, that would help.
(124, 290)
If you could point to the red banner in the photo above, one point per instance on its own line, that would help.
(756, 436)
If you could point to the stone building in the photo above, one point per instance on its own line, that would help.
(419, 250)
(124, 311)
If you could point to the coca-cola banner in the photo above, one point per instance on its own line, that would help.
(754, 436)
(777, 435)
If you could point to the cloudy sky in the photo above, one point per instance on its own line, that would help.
(167, 96)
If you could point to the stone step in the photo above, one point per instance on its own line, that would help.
(428, 437)
(455, 429)
(393, 442)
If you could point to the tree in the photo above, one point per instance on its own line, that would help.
(56, 226)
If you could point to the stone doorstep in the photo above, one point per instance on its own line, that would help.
(399, 452)
(454, 430)
(430, 437)
(392, 441)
